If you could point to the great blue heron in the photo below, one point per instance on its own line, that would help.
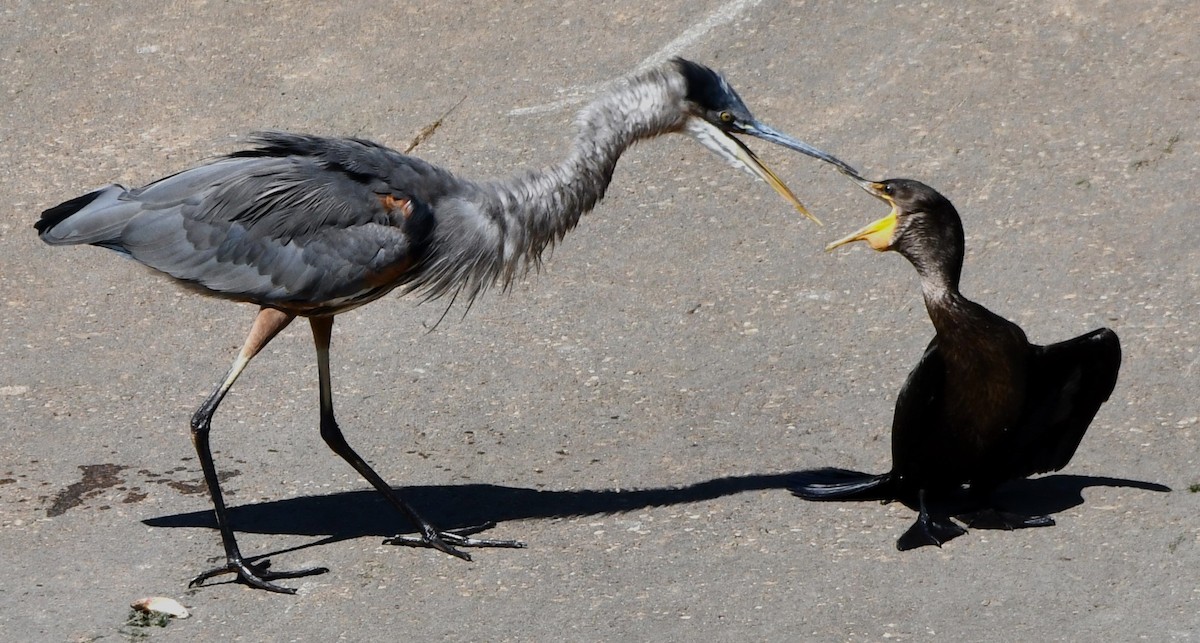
(312, 227)
(983, 406)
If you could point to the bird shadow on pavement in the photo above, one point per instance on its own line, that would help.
(355, 514)
(1055, 493)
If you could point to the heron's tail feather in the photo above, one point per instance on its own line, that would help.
(842, 484)
(97, 218)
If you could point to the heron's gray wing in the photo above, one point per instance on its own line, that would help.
(289, 231)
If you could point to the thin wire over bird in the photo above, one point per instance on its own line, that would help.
(306, 226)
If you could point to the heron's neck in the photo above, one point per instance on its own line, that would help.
(498, 230)
(538, 207)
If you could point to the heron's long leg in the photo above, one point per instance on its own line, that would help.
(322, 328)
(267, 324)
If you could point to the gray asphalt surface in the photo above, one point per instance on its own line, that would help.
(631, 411)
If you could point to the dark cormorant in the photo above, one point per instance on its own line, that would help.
(983, 405)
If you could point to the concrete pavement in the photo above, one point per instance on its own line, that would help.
(632, 410)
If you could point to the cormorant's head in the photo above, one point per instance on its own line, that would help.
(920, 216)
(715, 113)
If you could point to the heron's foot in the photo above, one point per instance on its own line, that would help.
(256, 574)
(448, 541)
(992, 518)
(928, 530)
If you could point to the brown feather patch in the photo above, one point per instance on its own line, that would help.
(392, 204)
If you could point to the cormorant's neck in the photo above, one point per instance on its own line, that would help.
(939, 265)
(947, 307)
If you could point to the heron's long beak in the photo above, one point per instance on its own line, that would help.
(878, 234)
(779, 138)
(738, 155)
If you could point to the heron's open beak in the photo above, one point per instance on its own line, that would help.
(878, 234)
(779, 138)
(738, 155)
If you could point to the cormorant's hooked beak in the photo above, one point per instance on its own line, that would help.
(878, 234)
(737, 154)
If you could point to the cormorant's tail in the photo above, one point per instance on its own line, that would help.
(97, 218)
(842, 484)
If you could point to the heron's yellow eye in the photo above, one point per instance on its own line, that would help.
(726, 117)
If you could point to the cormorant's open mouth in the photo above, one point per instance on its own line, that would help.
(878, 234)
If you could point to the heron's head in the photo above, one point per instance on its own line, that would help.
(715, 113)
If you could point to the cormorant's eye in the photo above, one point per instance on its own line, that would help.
(726, 117)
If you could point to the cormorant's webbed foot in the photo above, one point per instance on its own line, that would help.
(992, 518)
(256, 574)
(928, 530)
(448, 541)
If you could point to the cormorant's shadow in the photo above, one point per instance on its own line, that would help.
(354, 514)
(1054, 493)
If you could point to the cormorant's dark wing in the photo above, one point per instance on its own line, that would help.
(299, 220)
(918, 413)
(916, 418)
(1068, 382)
